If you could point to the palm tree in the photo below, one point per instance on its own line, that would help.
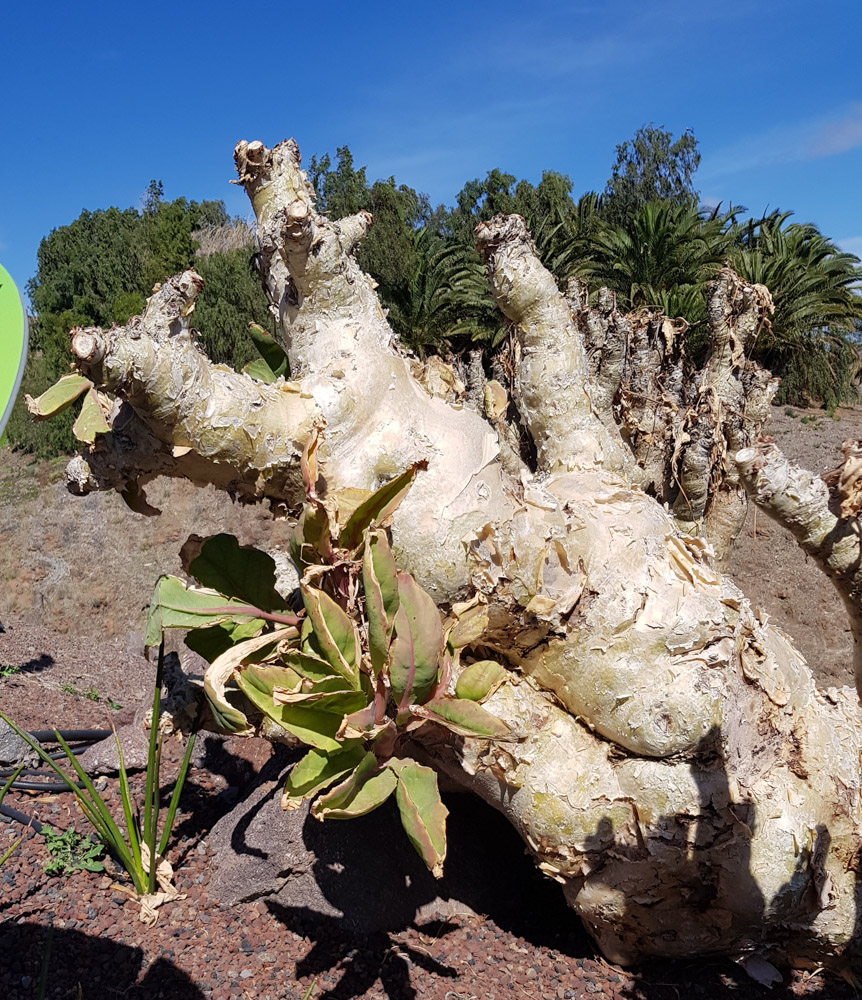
(818, 309)
(444, 296)
(661, 258)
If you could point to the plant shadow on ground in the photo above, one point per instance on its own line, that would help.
(35, 665)
(367, 870)
(103, 968)
(201, 808)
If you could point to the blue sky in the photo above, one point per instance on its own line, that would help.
(102, 97)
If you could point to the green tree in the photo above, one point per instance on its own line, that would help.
(651, 166)
(478, 201)
(398, 212)
(84, 266)
(341, 190)
(389, 251)
(98, 270)
(232, 297)
(167, 231)
(660, 258)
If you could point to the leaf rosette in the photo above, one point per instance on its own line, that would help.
(366, 661)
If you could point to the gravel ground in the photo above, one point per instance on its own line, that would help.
(84, 929)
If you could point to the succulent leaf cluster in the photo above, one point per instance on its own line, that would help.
(365, 663)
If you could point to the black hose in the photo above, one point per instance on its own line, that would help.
(38, 771)
(88, 735)
(44, 786)
(6, 771)
(19, 817)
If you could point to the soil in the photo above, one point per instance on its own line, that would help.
(776, 574)
(74, 576)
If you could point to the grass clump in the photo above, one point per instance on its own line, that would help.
(10, 850)
(141, 840)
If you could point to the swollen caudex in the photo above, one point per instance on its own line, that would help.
(675, 767)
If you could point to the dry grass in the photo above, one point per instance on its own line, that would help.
(73, 564)
(220, 239)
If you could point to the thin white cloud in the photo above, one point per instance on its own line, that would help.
(839, 136)
(809, 139)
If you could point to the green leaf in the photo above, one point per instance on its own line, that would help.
(380, 505)
(310, 543)
(270, 350)
(380, 582)
(480, 680)
(469, 627)
(463, 717)
(334, 632)
(423, 814)
(340, 703)
(264, 678)
(316, 771)
(174, 605)
(226, 718)
(223, 670)
(313, 726)
(235, 570)
(310, 666)
(415, 651)
(58, 397)
(91, 420)
(260, 370)
(283, 687)
(367, 788)
(214, 640)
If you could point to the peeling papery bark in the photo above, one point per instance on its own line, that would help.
(674, 768)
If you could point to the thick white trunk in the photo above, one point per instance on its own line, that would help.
(676, 769)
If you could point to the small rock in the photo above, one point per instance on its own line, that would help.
(246, 974)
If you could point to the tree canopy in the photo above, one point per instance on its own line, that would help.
(651, 166)
(99, 269)
(644, 237)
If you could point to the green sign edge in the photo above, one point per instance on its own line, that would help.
(16, 385)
